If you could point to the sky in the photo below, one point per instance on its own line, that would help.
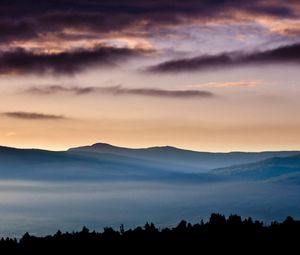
(206, 75)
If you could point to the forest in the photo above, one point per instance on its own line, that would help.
(219, 234)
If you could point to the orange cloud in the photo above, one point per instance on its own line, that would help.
(229, 84)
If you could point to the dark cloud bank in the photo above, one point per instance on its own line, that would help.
(21, 19)
(33, 116)
(281, 55)
(21, 61)
(121, 91)
(24, 21)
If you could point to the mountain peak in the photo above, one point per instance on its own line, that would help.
(110, 146)
(102, 145)
(166, 147)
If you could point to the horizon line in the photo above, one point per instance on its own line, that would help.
(147, 147)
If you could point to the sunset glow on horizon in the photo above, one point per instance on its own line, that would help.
(202, 75)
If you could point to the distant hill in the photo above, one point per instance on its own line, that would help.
(48, 165)
(186, 160)
(274, 169)
(107, 162)
(289, 179)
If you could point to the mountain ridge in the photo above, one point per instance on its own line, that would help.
(108, 145)
(195, 160)
(105, 161)
(271, 168)
(170, 147)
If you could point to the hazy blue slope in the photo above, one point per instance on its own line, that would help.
(167, 164)
(189, 161)
(263, 170)
(48, 165)
(289, 179)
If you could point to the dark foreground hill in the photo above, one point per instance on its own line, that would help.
(225, 236)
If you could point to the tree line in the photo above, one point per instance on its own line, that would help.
(219, 234)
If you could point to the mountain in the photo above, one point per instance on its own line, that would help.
(273, 169)
(48, 165)
(107, 162)
(183, 160)
(289, 179)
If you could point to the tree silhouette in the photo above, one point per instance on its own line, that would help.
(219, 234)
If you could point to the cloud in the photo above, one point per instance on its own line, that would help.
(33, 116)
(281, 55)
(238, 84)
(32, 19)
(17, 30)
(285, 27)
(121, 91)
(231, 84)
(49, 34)
(21, 61)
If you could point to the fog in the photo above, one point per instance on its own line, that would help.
(44, 207)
